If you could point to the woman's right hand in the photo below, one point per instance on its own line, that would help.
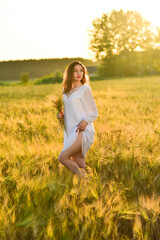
(60, 115)
(82, 126)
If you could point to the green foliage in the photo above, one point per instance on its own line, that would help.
(3, 83)
(58, 76)
(55, 77)
(24, 78)
(44, 80)
(120, 31)
(126, 44)
(131, 64)
(41, 199)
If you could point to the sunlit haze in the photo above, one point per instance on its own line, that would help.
(33, 29)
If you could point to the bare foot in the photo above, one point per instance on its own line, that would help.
(83, 174)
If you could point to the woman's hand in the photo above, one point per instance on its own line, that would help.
(82, 125)
(60, 115)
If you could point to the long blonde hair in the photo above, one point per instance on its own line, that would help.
(68, 76)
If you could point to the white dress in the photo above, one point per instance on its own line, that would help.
(79, 106)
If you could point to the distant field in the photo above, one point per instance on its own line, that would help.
(41, 199)
(16, 82)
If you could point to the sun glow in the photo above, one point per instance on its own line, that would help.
(48, 29)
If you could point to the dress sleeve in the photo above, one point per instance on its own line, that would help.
(89, 106)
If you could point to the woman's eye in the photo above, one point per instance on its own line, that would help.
(77, 70)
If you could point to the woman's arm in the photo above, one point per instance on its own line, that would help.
(89, 105)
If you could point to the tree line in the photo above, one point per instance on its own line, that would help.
(36, 68)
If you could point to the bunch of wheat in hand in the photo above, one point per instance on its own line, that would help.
(58, 104)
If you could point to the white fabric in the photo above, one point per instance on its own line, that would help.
(79, 106)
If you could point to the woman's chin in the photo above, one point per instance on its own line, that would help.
(77, 80)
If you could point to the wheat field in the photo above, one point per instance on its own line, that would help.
(41, 199)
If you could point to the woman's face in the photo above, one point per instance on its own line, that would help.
(78, 73)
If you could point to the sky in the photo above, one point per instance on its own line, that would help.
(38, 29)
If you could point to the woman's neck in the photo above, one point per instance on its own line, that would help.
(76, 84)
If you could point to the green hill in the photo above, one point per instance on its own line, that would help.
(11, 70)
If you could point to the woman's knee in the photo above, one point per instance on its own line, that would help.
(80, 162)
(61, 157)
(81, 165)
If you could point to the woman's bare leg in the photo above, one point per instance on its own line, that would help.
(79, 159)
(65, 156)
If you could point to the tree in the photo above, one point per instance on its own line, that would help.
(120, 31)
(24, 77)
(58, 76)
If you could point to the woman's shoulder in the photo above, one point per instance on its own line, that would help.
(86, 86)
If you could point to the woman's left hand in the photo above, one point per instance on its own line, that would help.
(82, 125)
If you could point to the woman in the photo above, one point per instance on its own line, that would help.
(79, 113)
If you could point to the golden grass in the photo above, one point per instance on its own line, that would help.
(41, 199)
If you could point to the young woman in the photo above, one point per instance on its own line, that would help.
(79, 113)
